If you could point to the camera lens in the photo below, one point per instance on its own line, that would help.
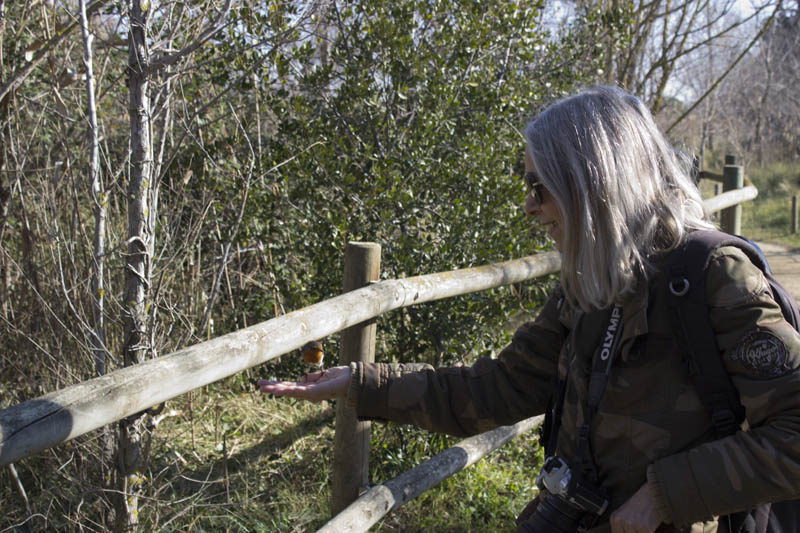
(555, 514)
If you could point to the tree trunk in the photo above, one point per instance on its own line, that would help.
(131, 459)
(97, 335)
(760, 108)
(98, 199)
(5, 200)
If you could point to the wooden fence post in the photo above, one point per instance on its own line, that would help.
(732, 178)
(362, 262)
(794, 214)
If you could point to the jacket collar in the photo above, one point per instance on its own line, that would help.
(634, 316)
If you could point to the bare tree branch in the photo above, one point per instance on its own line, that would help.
(98, 198)
(226, 250)
(19, 77)
(209, 32)
(714, 85)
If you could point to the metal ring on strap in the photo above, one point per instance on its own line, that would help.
(679, 286)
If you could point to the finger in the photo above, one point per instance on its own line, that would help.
(313, 377)
(308, 379)
(282, 388)
(305, 391)
(617, 525)
(268, 383)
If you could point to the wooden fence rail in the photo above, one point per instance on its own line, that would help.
(41, 423)
(379, 500)
(729, 200)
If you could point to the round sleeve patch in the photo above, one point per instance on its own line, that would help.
(762, 353)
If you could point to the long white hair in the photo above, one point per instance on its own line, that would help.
(624, 193)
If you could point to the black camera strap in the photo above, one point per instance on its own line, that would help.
(552, 422)
(601, 369)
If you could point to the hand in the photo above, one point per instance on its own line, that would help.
(317, 386)
(638, 514)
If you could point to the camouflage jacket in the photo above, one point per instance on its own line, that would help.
(650, 423)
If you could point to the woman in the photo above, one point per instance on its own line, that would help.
(616, 198)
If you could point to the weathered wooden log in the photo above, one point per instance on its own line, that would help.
(40, 423)
(381, 499)
(730, 198)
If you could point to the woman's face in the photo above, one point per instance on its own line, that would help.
(541, 204)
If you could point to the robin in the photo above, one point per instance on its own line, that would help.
(313, 354)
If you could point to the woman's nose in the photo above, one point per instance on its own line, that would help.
(531, 205)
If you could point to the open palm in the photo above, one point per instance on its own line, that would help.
(316, 386)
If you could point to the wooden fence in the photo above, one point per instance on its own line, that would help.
(44, 422)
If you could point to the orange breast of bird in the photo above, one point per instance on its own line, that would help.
(312, 353)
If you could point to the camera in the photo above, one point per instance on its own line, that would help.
(568, 501)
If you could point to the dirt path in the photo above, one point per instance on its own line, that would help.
(785, 264)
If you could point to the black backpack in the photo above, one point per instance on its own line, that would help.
(685, 269)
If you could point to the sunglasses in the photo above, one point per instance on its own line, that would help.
(534, 187)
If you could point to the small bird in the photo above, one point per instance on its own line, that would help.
(313, 354)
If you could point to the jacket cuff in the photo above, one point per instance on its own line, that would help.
(368, 393)
(356, 382)
(678, 492)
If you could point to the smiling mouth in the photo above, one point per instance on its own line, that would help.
(550, 225)
(550, 228)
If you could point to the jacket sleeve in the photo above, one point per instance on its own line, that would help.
(761, 352)
(464, 400)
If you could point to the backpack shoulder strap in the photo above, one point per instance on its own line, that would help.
(685, 271)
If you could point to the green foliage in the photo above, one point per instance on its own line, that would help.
(769, 216)
(398, 448)
(776, 179)
(487, 495)
(408, 135)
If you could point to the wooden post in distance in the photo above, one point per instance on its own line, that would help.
(732, 178)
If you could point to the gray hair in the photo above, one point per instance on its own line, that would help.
(624, 193)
